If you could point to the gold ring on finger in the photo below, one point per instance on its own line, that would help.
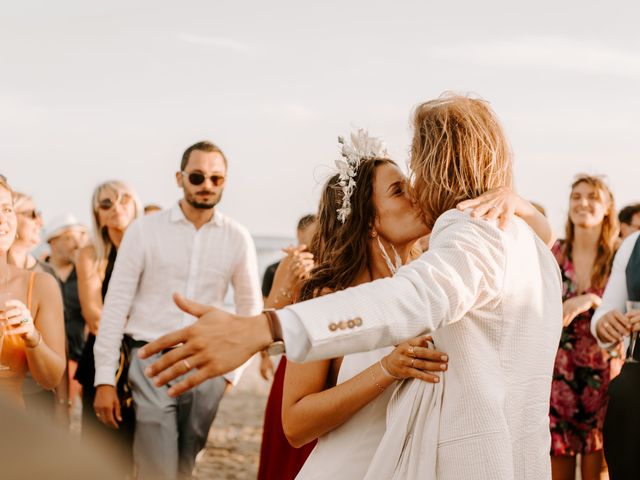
(187, 365)
(411, 352)
(412, 360)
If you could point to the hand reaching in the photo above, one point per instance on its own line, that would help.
(500, 203)
(294, 268)
(413, 359)
(573, 307)
(217, 343)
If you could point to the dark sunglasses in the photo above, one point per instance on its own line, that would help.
(108, 204)
(33, 214)
(197, 178)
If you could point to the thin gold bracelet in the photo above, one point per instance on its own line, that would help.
(373, 377)
(386, 372)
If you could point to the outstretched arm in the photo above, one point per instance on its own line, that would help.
(463, 269)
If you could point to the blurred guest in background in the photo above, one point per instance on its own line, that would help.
(278, 459)
(65, 236)
(611, 325)
(36, 398)
(299, 264)
(629, 218)
(32, 335)
(114, 206)
(582, 368)
(193, 249)
(304, 234)
(27, 236)
(35, 450)
(152, 208)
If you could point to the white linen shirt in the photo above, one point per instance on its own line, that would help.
(161, 254)
(615, 295)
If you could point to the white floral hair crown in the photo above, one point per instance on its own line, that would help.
(362, 147)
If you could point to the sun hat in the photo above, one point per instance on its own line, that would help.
(60, 224)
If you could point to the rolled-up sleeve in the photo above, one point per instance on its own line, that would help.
(247, 295)
(122, 290)
(615, 294)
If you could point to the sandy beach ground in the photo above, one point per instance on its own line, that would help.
(233, 449)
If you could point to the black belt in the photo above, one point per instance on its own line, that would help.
(133, 343)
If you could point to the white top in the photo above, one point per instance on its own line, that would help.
(161, 254)
(346, 451)
(616, 295)
(495, 299)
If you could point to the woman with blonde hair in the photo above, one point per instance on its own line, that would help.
(31, 318)
(27, 240)
(582, 368)
(114, 206)
(490, 297)
(27, 235)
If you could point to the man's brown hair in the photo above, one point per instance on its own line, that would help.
(203, 146)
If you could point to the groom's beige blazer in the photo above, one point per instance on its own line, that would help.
(494, 299)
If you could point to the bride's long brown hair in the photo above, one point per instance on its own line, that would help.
(341, 250)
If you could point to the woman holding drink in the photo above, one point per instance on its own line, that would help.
(617, 321)
(31, 317)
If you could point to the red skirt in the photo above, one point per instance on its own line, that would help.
(278, 459)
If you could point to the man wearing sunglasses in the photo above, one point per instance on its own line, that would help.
(197, 251)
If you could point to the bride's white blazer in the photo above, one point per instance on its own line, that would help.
(494, 298)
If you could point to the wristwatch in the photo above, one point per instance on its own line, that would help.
(277, 346)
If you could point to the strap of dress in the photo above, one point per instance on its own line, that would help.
(32, 278)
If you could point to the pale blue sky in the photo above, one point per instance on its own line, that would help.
(97, 90)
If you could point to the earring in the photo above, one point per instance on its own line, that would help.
(373, 233)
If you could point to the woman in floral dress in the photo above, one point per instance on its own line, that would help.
(582, 368)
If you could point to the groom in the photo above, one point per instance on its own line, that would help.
(494, 295)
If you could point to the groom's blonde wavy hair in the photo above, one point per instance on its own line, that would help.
(459, 151)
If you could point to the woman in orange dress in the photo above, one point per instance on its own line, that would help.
(31, 317)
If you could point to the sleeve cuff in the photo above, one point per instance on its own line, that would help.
(104, 376)
(296, 340)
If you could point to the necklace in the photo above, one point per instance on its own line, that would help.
(392, 266)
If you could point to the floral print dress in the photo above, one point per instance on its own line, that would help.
(580, 378)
